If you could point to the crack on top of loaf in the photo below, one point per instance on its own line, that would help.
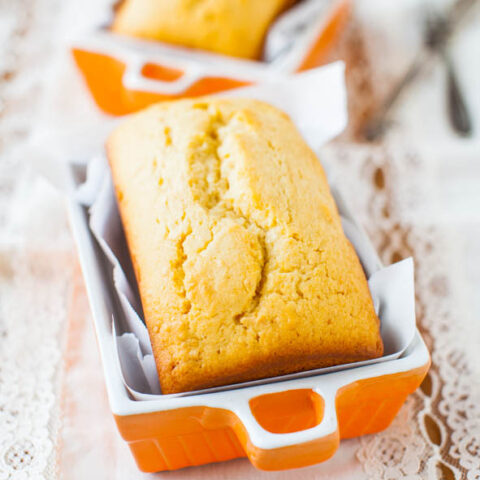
(179, 271)
(204, 166)
(167, 131)
(209, 188)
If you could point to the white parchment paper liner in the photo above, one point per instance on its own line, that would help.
(315, 100)
(294, 31)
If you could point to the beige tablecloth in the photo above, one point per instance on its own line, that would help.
(417, 193)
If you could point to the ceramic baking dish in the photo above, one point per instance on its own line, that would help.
(287, 424)
(125, 74)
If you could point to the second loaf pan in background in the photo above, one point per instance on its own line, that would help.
(125, 74)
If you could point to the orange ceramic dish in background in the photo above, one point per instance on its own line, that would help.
(125, 74)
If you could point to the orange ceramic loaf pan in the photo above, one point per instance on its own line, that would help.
(288, 424)
(277, 426)
(126, 74)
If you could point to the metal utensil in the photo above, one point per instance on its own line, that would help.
(436, 37)
(457, 108)
(438, 31)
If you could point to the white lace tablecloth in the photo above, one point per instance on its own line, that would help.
(417, 193)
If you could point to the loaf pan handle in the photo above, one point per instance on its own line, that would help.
(133, 78)
(276, 451)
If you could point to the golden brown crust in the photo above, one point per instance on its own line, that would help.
(273, 366)
(242, 264)
(230, 27)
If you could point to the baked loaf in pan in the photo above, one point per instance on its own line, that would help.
(230, 27)
(242, 264)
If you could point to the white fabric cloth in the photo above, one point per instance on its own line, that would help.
(417, 193)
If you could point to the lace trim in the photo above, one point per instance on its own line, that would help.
(32, 330)
(437, 433)
(34, 276)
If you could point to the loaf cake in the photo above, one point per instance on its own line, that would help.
(230, 27)
(243, 268)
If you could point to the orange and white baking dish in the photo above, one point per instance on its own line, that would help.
(281, 423)
(125, 74)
